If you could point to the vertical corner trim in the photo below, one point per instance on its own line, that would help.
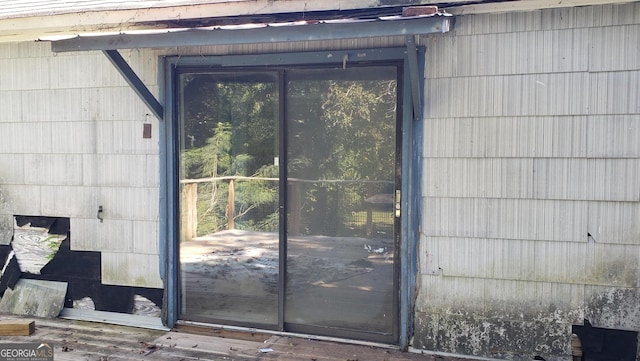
(414, 76)
(135, 82)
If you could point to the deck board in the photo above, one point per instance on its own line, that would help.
(75, 340)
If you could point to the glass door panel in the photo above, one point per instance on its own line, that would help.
(341, 176)
(229, 197)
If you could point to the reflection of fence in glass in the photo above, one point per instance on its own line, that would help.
(356, 208)
(209, 205)
(349, 208)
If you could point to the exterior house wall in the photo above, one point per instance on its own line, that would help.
(70, 141)
(531, 144)
(530, 195)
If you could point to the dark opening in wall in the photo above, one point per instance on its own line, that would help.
(41, 250)
(9, 268)
(603, 344)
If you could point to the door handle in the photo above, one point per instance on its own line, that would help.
(397, 202)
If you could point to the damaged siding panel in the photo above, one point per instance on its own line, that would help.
(129, 269)
(481, 257)
(74, 113)
(613, 307)
(501, 338)
(525, 260)
(577, 263)
(614, 222)
(461, 257)
(515, 319)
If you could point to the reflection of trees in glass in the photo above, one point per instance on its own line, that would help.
(229, 130)
(340, 130)
(337, 130)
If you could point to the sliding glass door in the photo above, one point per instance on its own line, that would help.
(341, 161)
(229, 196)
(288, 184)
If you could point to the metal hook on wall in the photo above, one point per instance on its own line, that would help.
(99, 215)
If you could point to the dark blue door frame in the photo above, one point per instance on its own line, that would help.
(412, 127)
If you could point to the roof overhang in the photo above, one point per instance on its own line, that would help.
(261, 33)
(28, 20)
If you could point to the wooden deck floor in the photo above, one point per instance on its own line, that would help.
(88, 341)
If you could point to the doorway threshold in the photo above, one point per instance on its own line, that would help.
(217, 328)
(115, 318)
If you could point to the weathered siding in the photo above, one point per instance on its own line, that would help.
(531, 201)
(70, 141)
